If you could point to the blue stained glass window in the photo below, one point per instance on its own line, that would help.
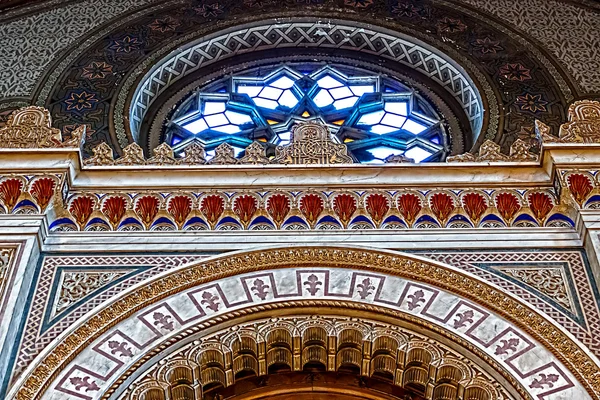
(375, 116)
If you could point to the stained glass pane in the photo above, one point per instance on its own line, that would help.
(417, 154)
(251, 91)
(327, 82)
(375, 127)
(323, 98)
(213, 107)
(414, 127)
(283, 83)
(399, 108)
(196, 127)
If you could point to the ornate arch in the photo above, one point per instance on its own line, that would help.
(96, 86)
(544, 359)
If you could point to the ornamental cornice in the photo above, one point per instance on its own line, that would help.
(166, 192)
(576, 358)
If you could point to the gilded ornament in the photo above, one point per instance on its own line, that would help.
(311, 143)
(132, 155)
(490, 152)
(584, 123)
(163, 155)
(31, 127)
(103, 156)
(224, 154)
(255, 154)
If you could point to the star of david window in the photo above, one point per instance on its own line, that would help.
(375, 116)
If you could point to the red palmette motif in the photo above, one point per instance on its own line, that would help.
(278, 207)
(10, 190)
(42, 191)
(581, 187)
(180, 207)
(212, 207)
(442, 206)
(540, 204)
(344, 205)
(114, 208)
(409, 206)
(377, 205)
(81, 208)
(507, 205)
(147, 208)
(311, 206)
(245, 207)
(475, 205)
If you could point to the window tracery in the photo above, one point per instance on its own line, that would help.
(376, 117)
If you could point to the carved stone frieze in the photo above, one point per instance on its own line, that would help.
(312, 144)
(490, 152)
(31, 127)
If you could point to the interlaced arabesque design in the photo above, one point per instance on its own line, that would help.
(307, 34)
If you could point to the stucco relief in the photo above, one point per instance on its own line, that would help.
(570, 32)
(30, 43)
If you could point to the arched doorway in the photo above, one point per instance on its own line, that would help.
(356, 292)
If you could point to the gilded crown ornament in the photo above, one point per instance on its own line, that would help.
(31, 127)
(312, 144)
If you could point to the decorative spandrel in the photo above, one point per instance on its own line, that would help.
(312, 144)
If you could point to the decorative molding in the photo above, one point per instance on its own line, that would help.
(396, 46)
(359, 208)
(31, 127)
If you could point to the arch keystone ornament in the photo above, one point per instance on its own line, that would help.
(532, 357)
